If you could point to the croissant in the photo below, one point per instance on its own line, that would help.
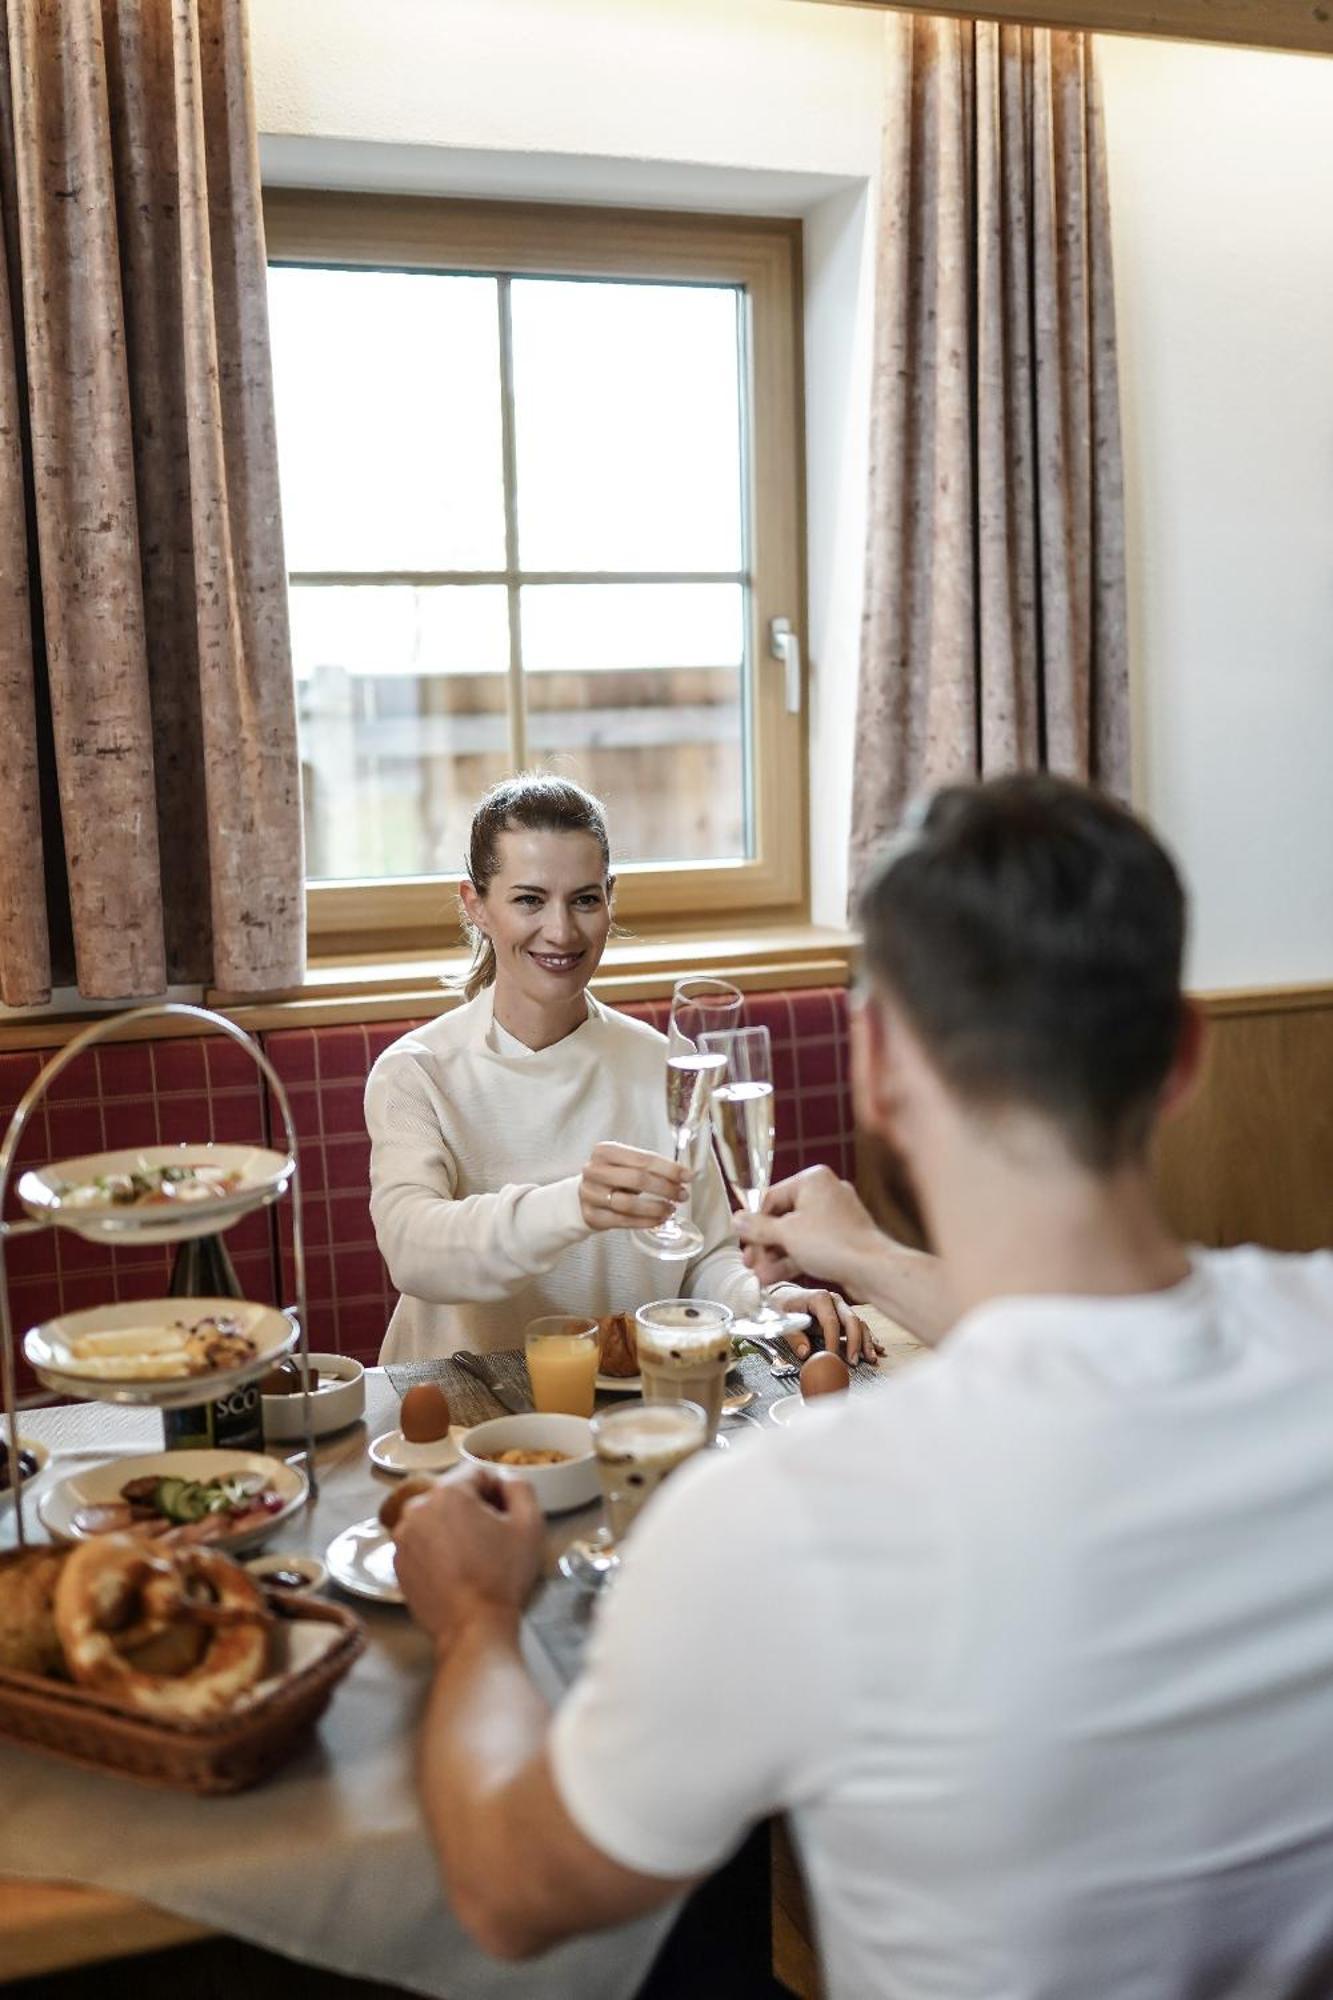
(619, 1354)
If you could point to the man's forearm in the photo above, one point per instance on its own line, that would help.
(520, 1874)
(485, 1725)
(906, 1284)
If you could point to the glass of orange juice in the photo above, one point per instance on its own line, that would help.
(562, 1352)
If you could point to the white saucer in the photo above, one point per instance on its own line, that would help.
(620, 1385)
(391, 1452)
(360, 1562)
(786, 1410)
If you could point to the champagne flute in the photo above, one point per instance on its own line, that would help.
(742, 1109)
(698, 1007)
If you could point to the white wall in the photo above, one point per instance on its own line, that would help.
(760, 106)
(1221, 169)
(1222, 203)
(741, 83)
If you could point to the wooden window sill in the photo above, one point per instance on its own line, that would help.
(350, 991)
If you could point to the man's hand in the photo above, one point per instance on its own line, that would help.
(474, 1544)
(623, 1187)
(844, 1332)
(812, 1223)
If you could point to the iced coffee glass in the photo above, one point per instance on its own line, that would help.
(684, 1353)
(637, 1445)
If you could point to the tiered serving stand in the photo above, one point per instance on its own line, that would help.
(179, 1392)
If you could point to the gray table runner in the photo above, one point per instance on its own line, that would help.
(330, 1861)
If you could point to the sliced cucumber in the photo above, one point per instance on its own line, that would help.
(170, 1493)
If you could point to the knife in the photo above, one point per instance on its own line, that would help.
(481, 1371)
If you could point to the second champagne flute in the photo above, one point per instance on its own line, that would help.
(743, 1125)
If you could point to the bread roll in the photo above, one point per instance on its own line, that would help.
(617, 1349)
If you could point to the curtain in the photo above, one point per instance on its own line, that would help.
(994, 629)
(150, 819)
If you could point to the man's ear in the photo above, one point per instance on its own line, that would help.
(473, 905)
(1191, 1047)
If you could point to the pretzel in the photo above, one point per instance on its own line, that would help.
(177, 1635)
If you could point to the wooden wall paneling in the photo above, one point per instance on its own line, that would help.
(1249, 1158)
(1305, 25)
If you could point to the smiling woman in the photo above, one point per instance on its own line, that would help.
(551, 931)
(519, 1142)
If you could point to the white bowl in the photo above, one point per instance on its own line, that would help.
(337, 1402)
(558, 1487)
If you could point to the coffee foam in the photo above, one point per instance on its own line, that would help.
(679, 1327)
(649, 1434)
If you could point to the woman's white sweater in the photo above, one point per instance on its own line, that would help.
(476, 1152)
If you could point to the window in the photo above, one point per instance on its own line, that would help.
(541, 501)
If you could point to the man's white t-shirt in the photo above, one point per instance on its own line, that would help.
(1035, 1645)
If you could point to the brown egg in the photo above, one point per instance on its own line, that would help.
(824, 1375)
(425, 1414)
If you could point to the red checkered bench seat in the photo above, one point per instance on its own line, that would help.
(144, 1093)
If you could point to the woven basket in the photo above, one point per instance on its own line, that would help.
(224, 1756)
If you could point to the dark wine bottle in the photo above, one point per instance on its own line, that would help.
(235, 1422)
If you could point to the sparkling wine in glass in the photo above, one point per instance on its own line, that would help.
(699, 1007)
(742, 1111)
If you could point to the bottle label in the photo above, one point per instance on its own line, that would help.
(234, 1422)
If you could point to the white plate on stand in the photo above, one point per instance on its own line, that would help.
(101, 1484)
(360, 1561)
(47, 1348)
(45, 1192)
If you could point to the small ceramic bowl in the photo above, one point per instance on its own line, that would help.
(338, 1401)
(308, 1567)
(558, 1487)
(34, 1450)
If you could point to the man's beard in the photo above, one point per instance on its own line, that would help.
(885, 1183)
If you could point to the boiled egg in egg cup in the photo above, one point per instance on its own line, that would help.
(426, 1439)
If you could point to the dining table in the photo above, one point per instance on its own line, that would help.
(328, 1864)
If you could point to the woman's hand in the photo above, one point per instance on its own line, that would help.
(844, 1331)
(622, 1187)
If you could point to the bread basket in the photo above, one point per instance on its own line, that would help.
(228, 1755)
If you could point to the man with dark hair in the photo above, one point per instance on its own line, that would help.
(1035, 1644)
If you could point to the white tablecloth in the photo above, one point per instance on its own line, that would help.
(330, 1861)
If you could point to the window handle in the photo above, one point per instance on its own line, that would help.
(784, 644)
